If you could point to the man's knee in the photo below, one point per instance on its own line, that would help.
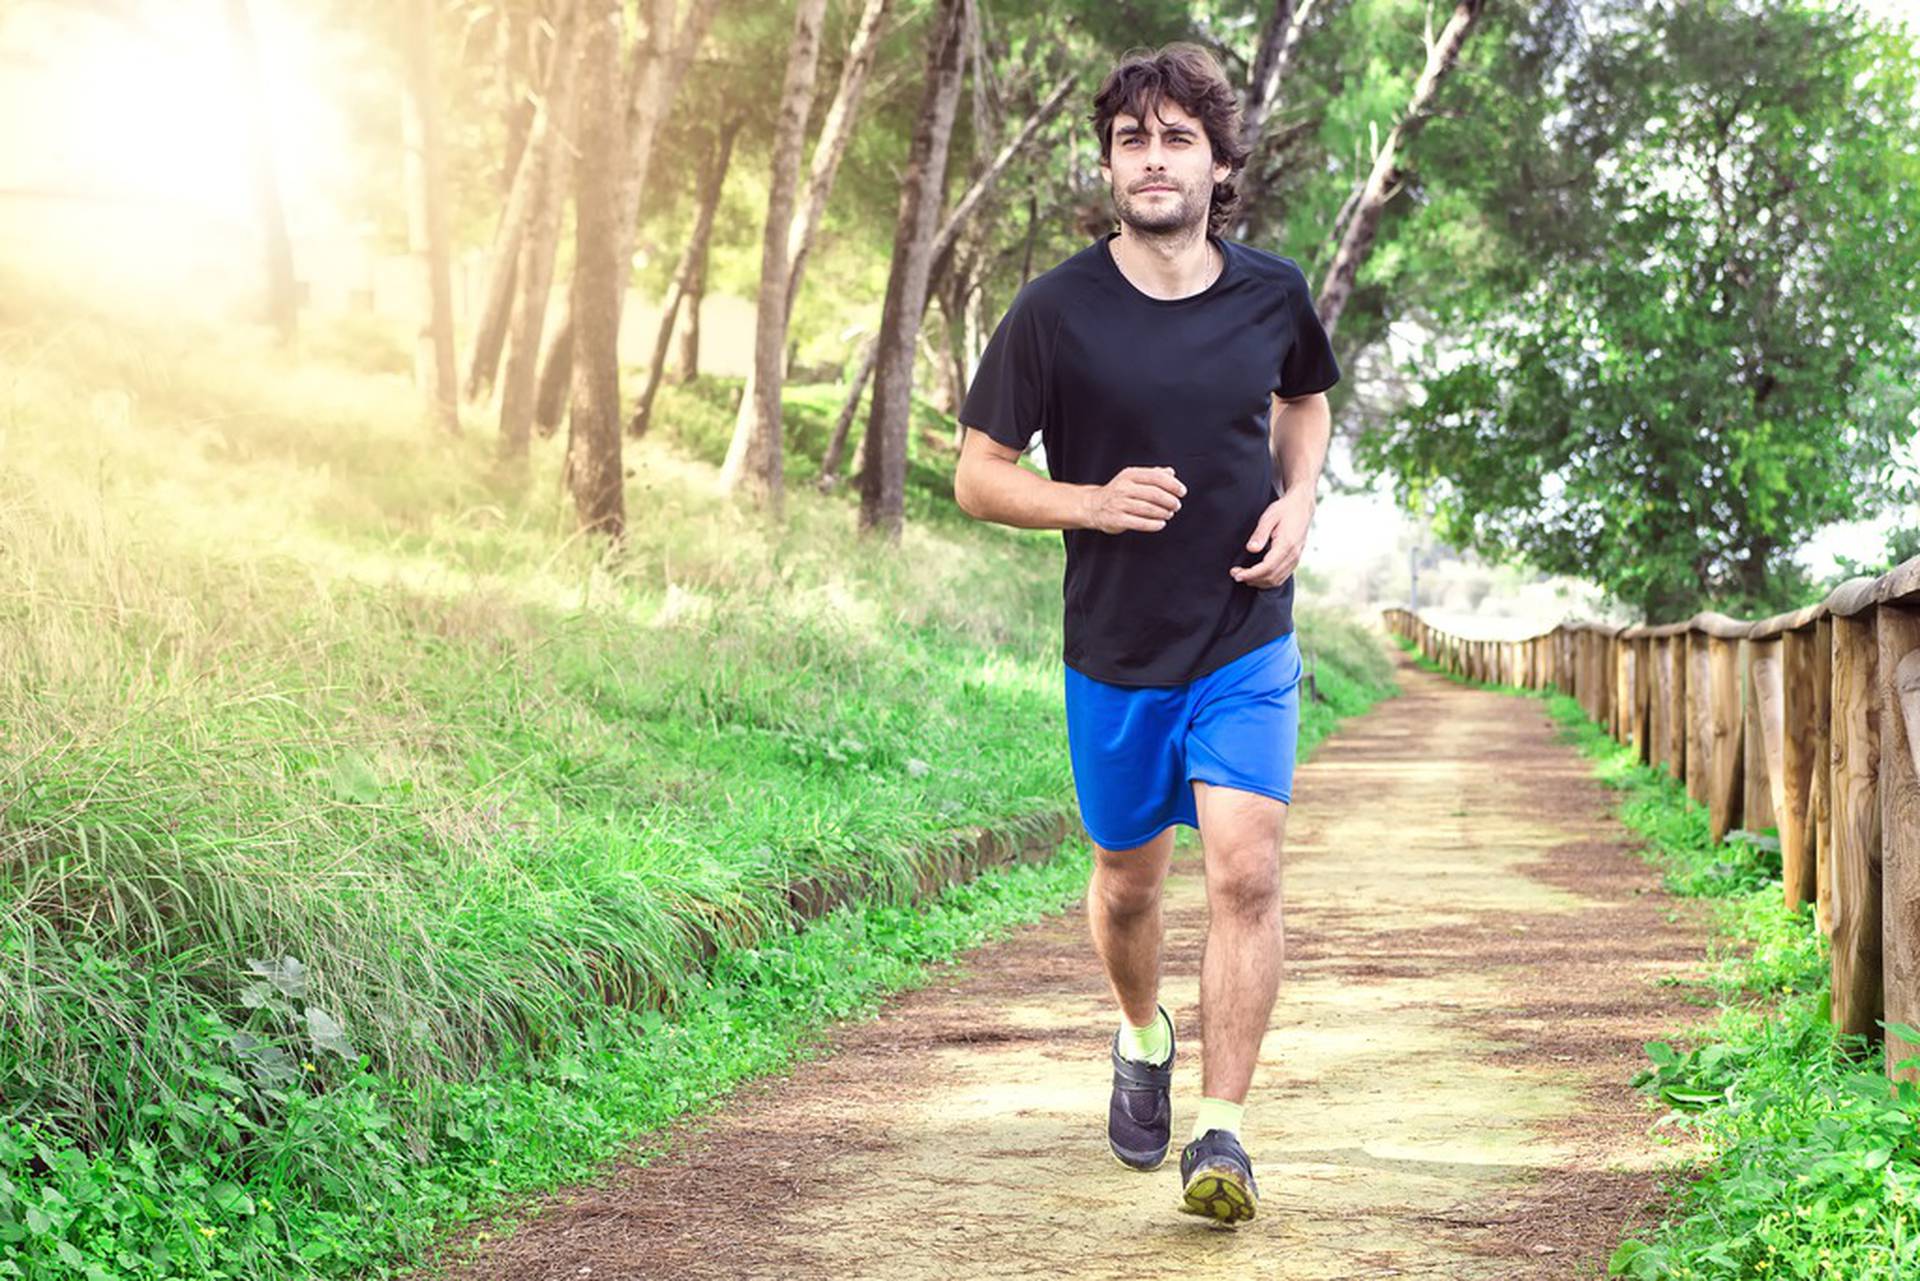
(1128, 882)
(1245, 884)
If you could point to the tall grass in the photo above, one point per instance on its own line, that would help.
(341, 788)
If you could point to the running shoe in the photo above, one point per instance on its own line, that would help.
(1140, 1113)
(1217, 1179)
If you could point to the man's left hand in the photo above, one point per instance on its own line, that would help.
(1282, 531)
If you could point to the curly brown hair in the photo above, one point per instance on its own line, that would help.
(1189, 75)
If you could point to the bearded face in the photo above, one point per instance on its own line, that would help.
(1162, 170)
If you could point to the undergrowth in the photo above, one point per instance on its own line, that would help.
(1812, 1155)
(372, 849)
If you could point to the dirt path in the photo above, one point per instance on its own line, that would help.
(1473, 965)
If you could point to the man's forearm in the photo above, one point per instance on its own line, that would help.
(1009, 494)
(1301, 431)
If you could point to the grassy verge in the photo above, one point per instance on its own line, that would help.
(370, 850)
(1813, 1166)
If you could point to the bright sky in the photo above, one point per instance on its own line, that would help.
(154, 109)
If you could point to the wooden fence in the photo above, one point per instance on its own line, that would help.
(1808, 721)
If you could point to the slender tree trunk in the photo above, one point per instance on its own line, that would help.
(1033, 228)
(427, 218)
(282, 298)
(883, 479)
(659, 64)
(686, 347)
(950, 230)
(831, 462)
(753, 460)
(549, 164)
(513, 55)
(835, 132)
(524, 197)
(1356, 243)
(963, 210)
(599, 279)
(1279, 46)
(936, 343)
(692, 259)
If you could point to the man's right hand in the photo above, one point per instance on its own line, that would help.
(1142, 498)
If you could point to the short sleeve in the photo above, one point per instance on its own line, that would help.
(1007, 398)
(1308, 365)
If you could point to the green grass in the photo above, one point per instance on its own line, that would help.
(1812, 1156)
(372, 849)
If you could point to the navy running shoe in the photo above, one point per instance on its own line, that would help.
(1140, 1113)
(1217, 1179)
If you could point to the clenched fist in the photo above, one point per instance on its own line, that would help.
(1142, 498)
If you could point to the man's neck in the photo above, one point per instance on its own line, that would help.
(1172, 264)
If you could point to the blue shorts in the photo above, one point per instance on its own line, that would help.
(1136, 749)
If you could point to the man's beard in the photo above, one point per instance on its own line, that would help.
(1159, 218)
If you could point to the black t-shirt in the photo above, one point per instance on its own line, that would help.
(1111, 377)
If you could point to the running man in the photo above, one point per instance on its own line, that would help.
(1174, 376)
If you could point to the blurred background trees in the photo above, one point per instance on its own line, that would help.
(1622, 290)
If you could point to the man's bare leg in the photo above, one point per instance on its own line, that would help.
(1123, 914)
(1240, 962)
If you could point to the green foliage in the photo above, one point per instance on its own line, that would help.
(1718, 357)
(369, 852)
(1812, 1154)
(229, 1178)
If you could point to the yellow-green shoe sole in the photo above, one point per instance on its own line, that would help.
(1217, 1192)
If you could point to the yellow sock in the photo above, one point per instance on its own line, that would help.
(1218, 1114)
(1149, 1044)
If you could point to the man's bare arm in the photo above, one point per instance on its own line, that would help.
(990, 484)
(1302, 428)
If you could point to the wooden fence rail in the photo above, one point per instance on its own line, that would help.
(1808, 722)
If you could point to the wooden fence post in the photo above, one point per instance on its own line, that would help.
(1898, 629)
(1699, 728)
(1670, 699)
(1857, 992)
(1622, 690)
(1803, 755)
(1820, 801)
(1756, 800)
(1768, 677)
(1725, 753)
(1642, 695)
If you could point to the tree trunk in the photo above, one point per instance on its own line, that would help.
(753, 460)
(282, 299)
(1357, 241)
(548, 164)
(686, 348)
(692, 259)
(963, 209)
(1279, 45)
(835, 132)
(530, 182)
(556, 375)
(513, 56)
(427, 218)
(883, 479)
(660, 61)
(856, 387)
(599, 279)
(950, 230)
